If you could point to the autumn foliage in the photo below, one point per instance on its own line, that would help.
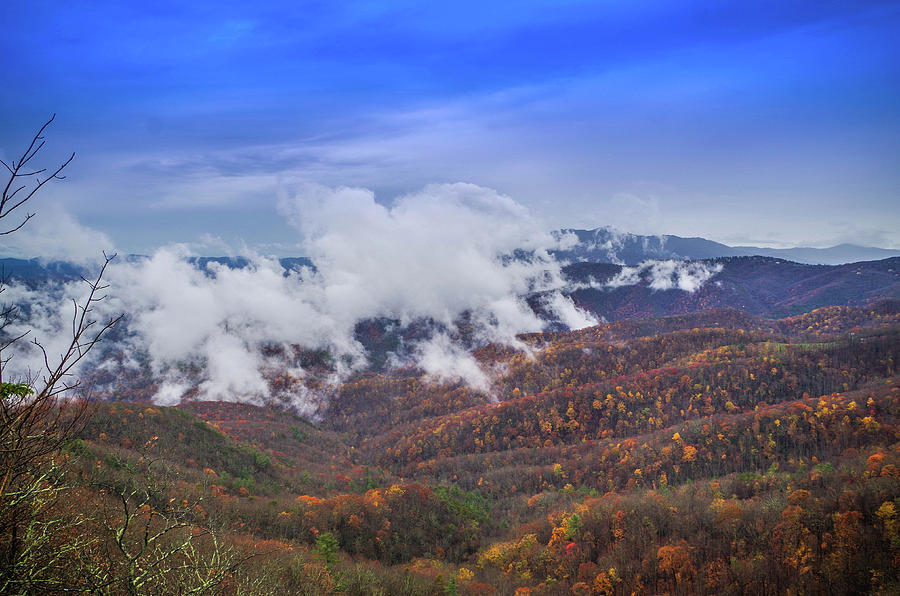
(708, 453)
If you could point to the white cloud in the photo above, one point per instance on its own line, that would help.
(45, 316)
(444, 360)
(55, 235)
(437, 256)
(687, 276)
(434, 256)
(569, 315)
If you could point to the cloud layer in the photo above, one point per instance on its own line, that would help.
(56, 235)
(454, 264)
(443, 254)
(687, 276)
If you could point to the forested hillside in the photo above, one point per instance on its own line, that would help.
(759, 285)
(716, 452)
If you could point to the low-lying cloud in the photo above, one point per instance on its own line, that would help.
(440, 255)
(687, 276)
(454, 261)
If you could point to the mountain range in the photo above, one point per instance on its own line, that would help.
(692, 454)
(760, 285)
(607, 245)
(721, 434)
(600, 245)
(39, 270)
(765, 286)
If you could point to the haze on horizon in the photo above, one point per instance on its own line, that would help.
(773, 123)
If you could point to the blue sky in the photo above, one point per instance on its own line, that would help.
(746, 122)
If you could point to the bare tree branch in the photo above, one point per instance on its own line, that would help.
(35, 418)
(19, 171)
(85, 335)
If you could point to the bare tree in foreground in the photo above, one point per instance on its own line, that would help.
(35, 418)
(134, 540)
(21, 174)
(156, 543)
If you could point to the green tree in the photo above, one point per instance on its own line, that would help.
(326, 548)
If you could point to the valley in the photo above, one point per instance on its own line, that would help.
(711, 452)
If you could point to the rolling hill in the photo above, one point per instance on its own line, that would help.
(738, 438)
(707, 452)
(758, 285)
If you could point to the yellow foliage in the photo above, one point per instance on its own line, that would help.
(871, 424)
(308, 500)
(603, 585)
(395, 491)
(689, 453)
(887, 511)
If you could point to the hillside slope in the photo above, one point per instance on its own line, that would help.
(717, 452)
(757, 285)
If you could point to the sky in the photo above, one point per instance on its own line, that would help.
(768, 123)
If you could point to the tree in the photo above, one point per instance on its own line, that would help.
(21, 172)
(154, 543)
(137, 542)
(36, 416)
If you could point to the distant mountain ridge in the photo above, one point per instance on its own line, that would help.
(38, 270)
(41, 270)
(835, 255)
(607, 245)
(600, 245)
(764, 286)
